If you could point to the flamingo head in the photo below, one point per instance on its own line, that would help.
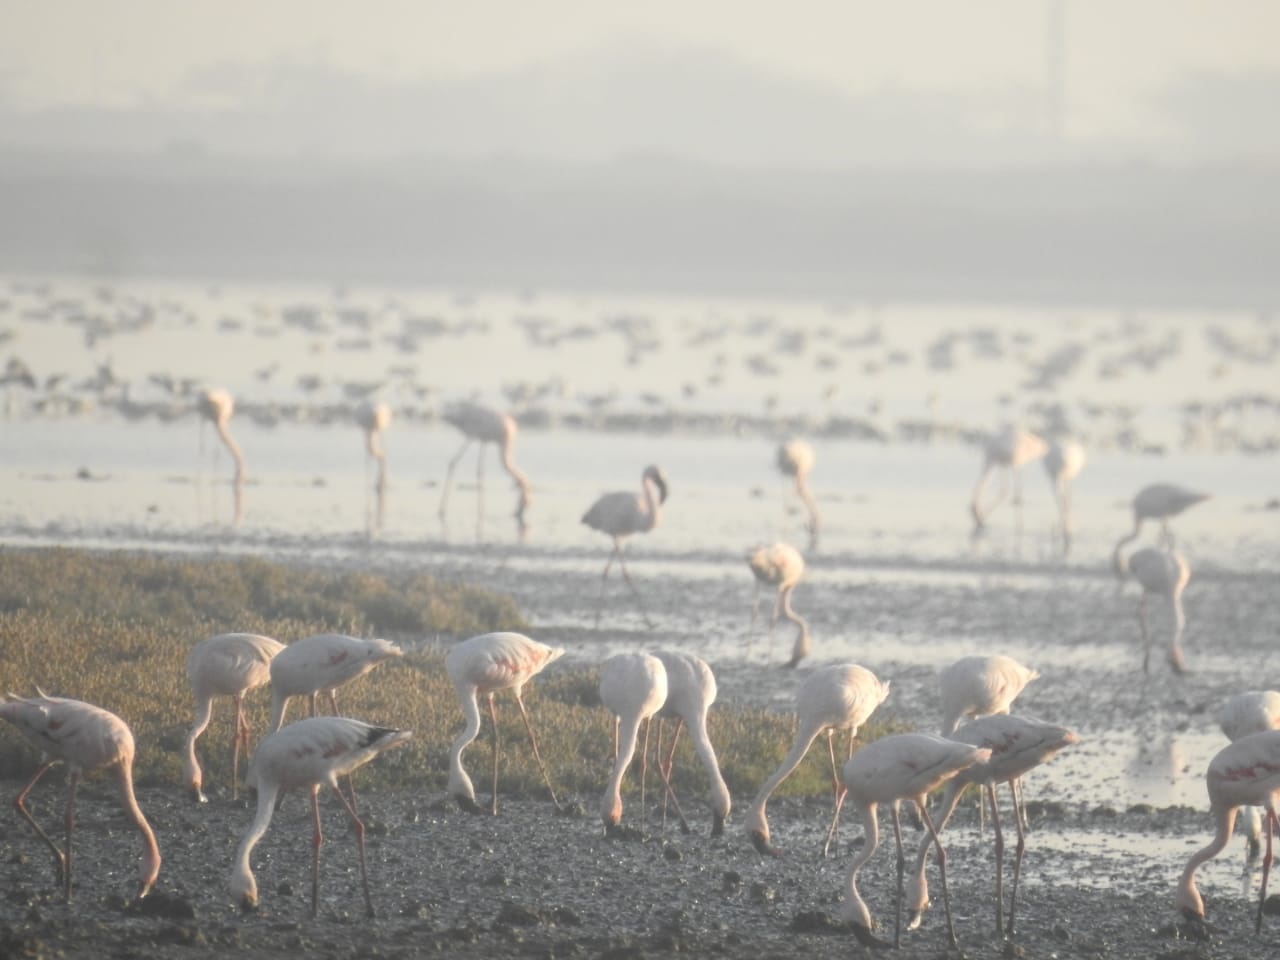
(760, 840)
(655, 474)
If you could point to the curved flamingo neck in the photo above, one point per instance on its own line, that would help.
(653, 506)
(611, 802)
(857, 905)
(1188, 896)
(517, 475)
(191, 774)
(801, 648)
(232, 447)
(243, 885)
(151, 849)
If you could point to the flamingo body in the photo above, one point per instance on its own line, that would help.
(322, 663)
(980, 685)
(781, 566)
(1251, 712)
(633, 687)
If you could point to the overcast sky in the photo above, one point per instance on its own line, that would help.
(1119, 54)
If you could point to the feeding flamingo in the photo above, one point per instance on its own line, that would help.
(373, 418)
(1007, 450)
(1161, 573)
(486, 425)
(1159, 501)
(633, 687)
(795, 459)
(1063, 461)
(980, 685)
(1243, 714)
(319, 664)
(781, 566)
(622, 513)
(217, 405)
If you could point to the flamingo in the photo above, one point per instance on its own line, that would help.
(486, 664)
(1160, 501)
(1162, 573)
(1010, 449)
(980, 685)
(322, 663)
(691, 689)
(486, 425)
(1018, 745)
(216, 405)
(633, 687)
(229, 665)
(622, 513)
(310, 753)
(1243, 773)
(373, 418)
(795, 459)
(781, 566)
(85, 738)
(831, 698)
(1063, 461)
(1243, 714)
(905, 766)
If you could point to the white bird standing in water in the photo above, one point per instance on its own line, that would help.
(780, 566)
(1251, 712)
(904, 766)
(85, 738)
(633, 687)
(486, 425)
(373, 418)
(1063, 461)
(228, 665)
(837, 697)
(310, 753)
(1007, 450)
(1243, 773)
(484, 665)
(691, 689)
(1018, 745)
(980, 685)
(320, 664)
(622, 513)
(1159, 501)
(216, 405)
(795, 459)
(1162, 573)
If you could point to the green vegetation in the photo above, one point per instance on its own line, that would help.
(114, 629)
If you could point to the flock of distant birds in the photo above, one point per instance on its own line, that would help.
(993, 747)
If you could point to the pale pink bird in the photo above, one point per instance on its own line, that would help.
(486, 425)
(1018, 745)
(228, 665)
(837, 697)
(622, 513)
(373, 418)
(85, 738)
(905, 766)
(633, 687)
(1007, 450)
(780, 566)
(320, 664)
(1243, 773)
(310, 753)
(980, 685)
(1243, 714)
(1162, 573)
(216, 405)
(795, 459)
(1160, 501)
(691, 690)
(483, 665)
(1063, 461)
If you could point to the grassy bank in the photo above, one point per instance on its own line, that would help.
(114, 629)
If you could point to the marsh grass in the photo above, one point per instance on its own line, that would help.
(115, 628)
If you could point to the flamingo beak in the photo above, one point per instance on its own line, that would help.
(467, 803)
(869, 939)
(762, 845)
(197, 795)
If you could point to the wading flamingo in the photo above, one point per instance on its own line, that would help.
(780, 566)
(905, 766)
(484, 665)
(373, 418)
(1243, 714)
(1063, 461)
(216, 405)
(691, 689)
(486, 425)
(310, 753)
(228, 665)
(1160, 501)
(795, 459)
(1018, 745)
(85, 738)
(1243, 773)
(831, 698)
(1162, 573)
(633, 687)
(1007, 450)
(622, 513)
(320, 664)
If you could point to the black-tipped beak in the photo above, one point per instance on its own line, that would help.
(869, 939)
(762, 845)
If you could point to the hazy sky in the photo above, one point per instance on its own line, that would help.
(1120, 53)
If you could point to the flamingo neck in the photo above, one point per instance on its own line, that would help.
(232, 447)
(611, 802)
(720, 799)
(151, 849)
(243, 885)
(801, 648)
(191, 774)
(459, 782)
(1188, 896)
(857, 907)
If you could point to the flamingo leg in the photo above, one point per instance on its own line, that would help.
(1019, 813)
(666, 776)
(902, 869)
(333, 705)
(942, 870)
(838, 791)
(480, 491)
(644, 767)
(990, 791)
(73, 781)
(317, 838)
(239, 737)
(493, 718)
(1146, 633)
(358, 826)
(533, 742)
(20, 803)
(448, 477)
(622, 565)
(617, 553)
(1266, 871)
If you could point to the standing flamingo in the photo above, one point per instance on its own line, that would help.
(831, 698)
(691, 689)
(309, 753)
(633, 687)
(1063, 461)
(1018, 745)
(85, 738)
(622, 513)
(373, 418)
(484, 665)
(486, 425)
(1243, 714)
(228, 665)
(1008, 450)
(1162, 573)
(1243, 773)
(322, 663)
(1160, 501)
(905, 766)
(780, 566)
(795, 459)
(216, 405)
